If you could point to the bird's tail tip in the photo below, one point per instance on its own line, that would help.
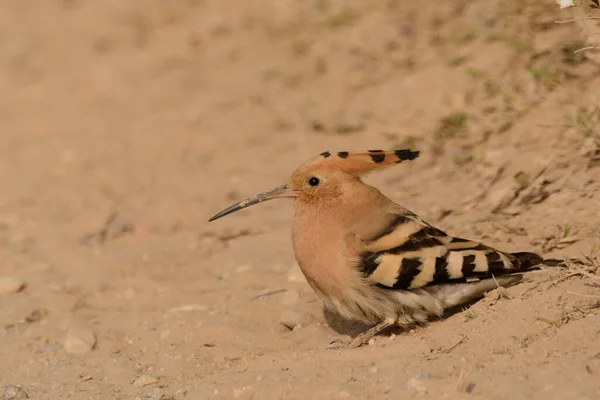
(532, 260)
(552, 262)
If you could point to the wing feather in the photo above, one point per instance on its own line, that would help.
(408, 253)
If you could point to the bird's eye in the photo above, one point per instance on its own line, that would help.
(314, 181)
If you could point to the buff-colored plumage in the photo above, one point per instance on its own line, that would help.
(371, 259)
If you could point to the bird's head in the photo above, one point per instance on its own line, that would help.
(322, 177)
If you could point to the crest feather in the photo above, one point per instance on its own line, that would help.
(362, 162)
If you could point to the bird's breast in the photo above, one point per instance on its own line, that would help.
(319, 250)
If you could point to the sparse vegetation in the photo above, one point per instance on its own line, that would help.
(343, 18)
(452, 125)
(566, 230)
(470, 314)
(458, 61)
(587, 119)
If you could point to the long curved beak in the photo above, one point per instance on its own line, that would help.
(277, 193)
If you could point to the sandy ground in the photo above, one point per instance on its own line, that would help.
(160, 114)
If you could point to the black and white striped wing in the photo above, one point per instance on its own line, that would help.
(409, 253)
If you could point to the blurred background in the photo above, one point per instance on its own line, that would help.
(125, 125)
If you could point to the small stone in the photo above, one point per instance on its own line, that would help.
(36, 315)
(165, 334)
(145, 380)
(295, 274)
(293, 319)
(79, 341)
(153, 394)
(48, 349)
(243, 392)
(188, 308)
(129, 293)
(417, 382)
(502, 198)
(13, 392)
(55, 385)
(10, 285)
(242, 268)
(373, 369)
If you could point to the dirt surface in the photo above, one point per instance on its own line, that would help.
(126, 124)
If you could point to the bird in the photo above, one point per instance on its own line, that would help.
(374, 261)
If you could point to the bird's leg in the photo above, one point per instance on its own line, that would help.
(364, 337)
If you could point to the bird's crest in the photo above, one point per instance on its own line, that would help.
(356, 163)
(362, 162)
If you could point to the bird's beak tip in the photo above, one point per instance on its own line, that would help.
(278, 192)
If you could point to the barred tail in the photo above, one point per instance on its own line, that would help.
(527, 260)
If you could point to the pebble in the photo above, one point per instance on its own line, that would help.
(48, 349)
(188, 308)
(417, 382)
(79, 341)
(165, 334)
(243, 392)
(36, 315)
(242, 268)
(500, 198)
(10, 285)
(153, 394)
(55, 385)
(129, 293)
(293, 319)
(13, 392)
(145, 380)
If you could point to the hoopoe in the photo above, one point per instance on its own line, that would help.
(373, 260)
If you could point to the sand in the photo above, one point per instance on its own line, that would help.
(127, 124)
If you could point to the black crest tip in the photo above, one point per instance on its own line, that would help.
(406, 155)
